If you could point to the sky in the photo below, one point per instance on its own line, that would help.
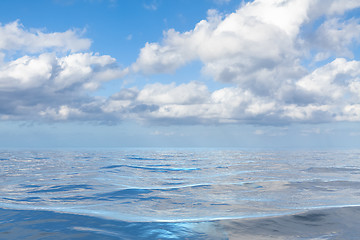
(180, 73)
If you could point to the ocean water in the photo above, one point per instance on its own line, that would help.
(179, 194)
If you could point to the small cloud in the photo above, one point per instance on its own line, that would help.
(321, 56)
(276, 132)
(355, 134)
(64, 2)
(315, 131)
(112, 3)
(259, 132)
(222, 1)
(129, 37)
(312, 131)
(153, 6)
(163, 133)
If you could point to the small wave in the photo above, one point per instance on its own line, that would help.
(62, 188)
(159, 168)
(20, 224)
(324, 223)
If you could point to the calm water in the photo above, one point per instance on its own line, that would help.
(179, 194)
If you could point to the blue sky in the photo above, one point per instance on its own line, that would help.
(180, 73)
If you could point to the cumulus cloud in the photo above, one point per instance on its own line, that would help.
(258, 46)
(14, 37)
(262, 49)
(284, 61)
(336, 36)
(334, 82)
(189, 103)
(80, 71)
(258, 36)
(51, 78)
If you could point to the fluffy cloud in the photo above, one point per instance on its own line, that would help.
(285, 61)
(55, 79)
(334, 82)
(258, 47)
(251, 43)
(194, 103)
(13, 37)
(184, 94)
(262, 49)
(80, 71)
(189, 103)
(335, 36)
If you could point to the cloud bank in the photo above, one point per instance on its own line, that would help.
(287, 61)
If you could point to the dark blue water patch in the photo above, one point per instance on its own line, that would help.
(159, 165)
(113, 166)
(41, 158)
(30, 186)
(63, 188)
(31, 224)
(4, 159)
(135, 157)
(219, 204)
(25, 200)
(310, 217)
(133, 194)
(83, 157)
(73, 198)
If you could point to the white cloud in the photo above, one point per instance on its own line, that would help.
(258, 47)
(26, 72)
(254, 47)
(189, 103)
(334, 7)
(153, 5)
(183, 94)
(271, 132)
(350, 112)
(337, 36)
(61, 113)
(308, 113)
(13, 37)
(316, 131)
(221, 1)
(336, 81)
(163, 133)
(51, 79)
(79, 70)
(88, 69)
(264, 50)
(259, 132)
(261, 48)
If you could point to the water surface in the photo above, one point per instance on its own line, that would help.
(177, 194)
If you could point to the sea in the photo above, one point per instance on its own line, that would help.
(179, 194)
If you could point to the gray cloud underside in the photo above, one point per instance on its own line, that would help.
(265, 50)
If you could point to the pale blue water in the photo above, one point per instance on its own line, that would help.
(179, 194)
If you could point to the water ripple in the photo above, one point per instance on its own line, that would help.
(157, 185)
